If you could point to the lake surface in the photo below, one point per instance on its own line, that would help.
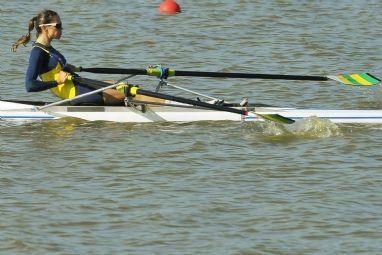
(77, 187)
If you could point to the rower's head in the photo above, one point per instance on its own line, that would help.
(46, 22)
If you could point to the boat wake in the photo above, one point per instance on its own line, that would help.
(312, 127)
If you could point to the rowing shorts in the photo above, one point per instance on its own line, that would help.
(95, 99)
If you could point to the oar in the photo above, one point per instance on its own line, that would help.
(133, 90)
(358, 79)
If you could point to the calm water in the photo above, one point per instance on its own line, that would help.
(76, 187)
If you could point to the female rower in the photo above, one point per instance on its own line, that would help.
(51, 67)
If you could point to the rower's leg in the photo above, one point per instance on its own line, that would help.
(113, 97)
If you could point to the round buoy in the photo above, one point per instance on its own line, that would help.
(169, 7)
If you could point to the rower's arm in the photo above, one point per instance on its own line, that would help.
(36, 61)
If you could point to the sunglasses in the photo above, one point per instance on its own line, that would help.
(56, 25)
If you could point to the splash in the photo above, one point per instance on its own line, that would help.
(312, 127)
(315, 127)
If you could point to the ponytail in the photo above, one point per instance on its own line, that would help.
(25, 38)
(43, 17)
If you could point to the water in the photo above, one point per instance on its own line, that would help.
(77, 187)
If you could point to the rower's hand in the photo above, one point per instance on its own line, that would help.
(62, 76)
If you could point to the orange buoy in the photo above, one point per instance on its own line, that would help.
(169, 7)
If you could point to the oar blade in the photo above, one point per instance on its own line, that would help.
(276, 118)
(361, 79)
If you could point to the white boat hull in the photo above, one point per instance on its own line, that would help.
(19, 111)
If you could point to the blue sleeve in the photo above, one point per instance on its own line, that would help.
(36, 62)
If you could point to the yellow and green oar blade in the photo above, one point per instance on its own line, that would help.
(275, 118)
(361, 79)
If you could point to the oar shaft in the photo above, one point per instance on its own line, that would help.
(360, 79)
(190, 102)
(250, 75)
(152, 71)
(115, 71)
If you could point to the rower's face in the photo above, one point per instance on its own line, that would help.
(55, 31)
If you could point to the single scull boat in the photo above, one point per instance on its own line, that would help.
(179, 109)
(174, 112)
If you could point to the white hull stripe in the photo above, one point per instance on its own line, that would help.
(26, 117)
(324, 117)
